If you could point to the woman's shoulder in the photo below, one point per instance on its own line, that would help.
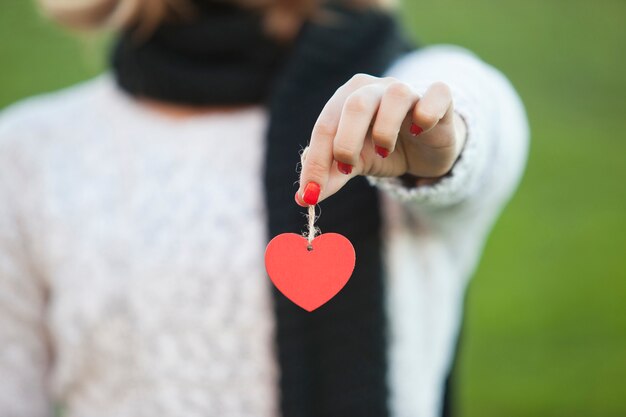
(46, 116)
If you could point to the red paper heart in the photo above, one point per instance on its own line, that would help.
(309, 278)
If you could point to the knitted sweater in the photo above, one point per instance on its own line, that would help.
(131, 251)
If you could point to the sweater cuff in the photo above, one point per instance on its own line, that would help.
(464, 177)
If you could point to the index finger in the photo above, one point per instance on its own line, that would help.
(319, 159)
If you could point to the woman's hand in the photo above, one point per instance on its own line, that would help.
(380, 127)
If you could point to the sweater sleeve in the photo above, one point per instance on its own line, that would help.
(24, 349)
(462, 206)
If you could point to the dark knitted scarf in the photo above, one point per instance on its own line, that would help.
(333, 361)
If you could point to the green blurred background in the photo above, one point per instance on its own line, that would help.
(546, 317)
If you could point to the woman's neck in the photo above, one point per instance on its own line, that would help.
(182, 111)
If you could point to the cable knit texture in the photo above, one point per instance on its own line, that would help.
(131, 251)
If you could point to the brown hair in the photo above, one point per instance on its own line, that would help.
(281, 16)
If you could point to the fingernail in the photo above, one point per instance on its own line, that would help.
(299, 200)
(415, 129)
(311, 193)
(344, 168)
(382, 152)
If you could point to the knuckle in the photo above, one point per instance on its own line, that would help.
(400, 90)
(385, 81)
(315, 169)
(347, 86)
(325, 129)
(360, 79)
(427, 120)
(384, 136)
(442, 88)
(344, 153)
(356, 103)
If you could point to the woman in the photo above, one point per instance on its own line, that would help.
(135, 208)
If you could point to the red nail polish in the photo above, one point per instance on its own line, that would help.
(415, 129)
(311, 193)
(382, 152)
(344, 168)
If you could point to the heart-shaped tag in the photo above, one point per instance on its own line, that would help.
(309, 277)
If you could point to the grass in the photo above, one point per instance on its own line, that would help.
(546, 318)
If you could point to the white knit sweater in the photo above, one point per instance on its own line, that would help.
(131, 251)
